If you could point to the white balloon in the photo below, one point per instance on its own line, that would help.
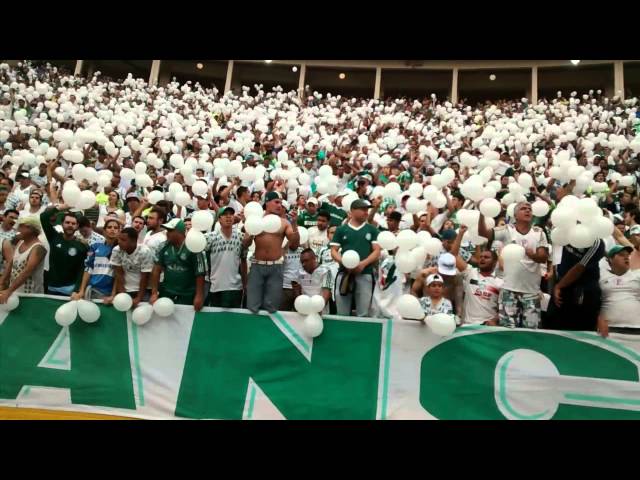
(253, 209)
(419, 255)
(448, 174)
(587, 210)
(202, 220)
(407, 239)
(253, 225)
(142, 314)
(415, 190)
(12, 303)
(78, 171)
(563, 216)
(88, 311)
(155, 196)
(164, 307)
(303, 305)
(409, 307)
(602, 227)
(182, 199)
(66, 314)
(127, 174)
(325, 171)
(539, 208)
(581, 236)
(422, 235)
(272, 223)
(512, 254)
(490, 207)
(350, 259)
(122, 302)
(433, 246)
(71, 194)
(405, 262)
(525, 181)
(441, 324)
(195, 241)
(87, 199)
(317, 303)
(313, 325)
(414, 205)
(387, 240)
(140, 168)
(560, 236)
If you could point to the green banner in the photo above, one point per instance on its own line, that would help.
(231, 364)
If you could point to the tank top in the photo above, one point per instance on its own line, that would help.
(33, 284)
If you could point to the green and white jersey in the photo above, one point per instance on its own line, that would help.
(305, 219)
(224, 255)
(181, 267)
(359, 239)
(337, 214)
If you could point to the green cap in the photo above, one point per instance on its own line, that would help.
(175, 224)
(616, 249)
(224, 210)
(271, 196)
(359, 203)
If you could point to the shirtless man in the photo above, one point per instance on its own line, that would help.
(264, 289)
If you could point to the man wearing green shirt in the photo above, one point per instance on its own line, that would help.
(360, 236)
(309, 217)
(66, 252)
(184, 270)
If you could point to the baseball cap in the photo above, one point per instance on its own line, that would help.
(449, 234)
(225, 210)
(313, 200)
(31, 221)
(618, 219)
(271, 196)
(25, 175)
(434, 277)
(616, 249)
(359, 203)
(343, 193)
(202, 196)
(447, 264)
(133, 195)
(175, 224)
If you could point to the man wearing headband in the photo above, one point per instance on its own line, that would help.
(264, 287)
(520, 296)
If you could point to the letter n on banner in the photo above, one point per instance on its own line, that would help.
(227, 349)
(100, 373)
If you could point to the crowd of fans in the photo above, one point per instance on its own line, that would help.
(510, 214)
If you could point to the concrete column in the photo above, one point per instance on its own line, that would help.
(377, 88)
(454, 86)
(303, 73)
(534, 86)
(227, 83)
(618, 79)
(78, 71)
(155, 72)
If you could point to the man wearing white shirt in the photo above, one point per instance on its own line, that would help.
(620, 294)
(156, 235)
(481, 286)
(318, 234)
(520, 296)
